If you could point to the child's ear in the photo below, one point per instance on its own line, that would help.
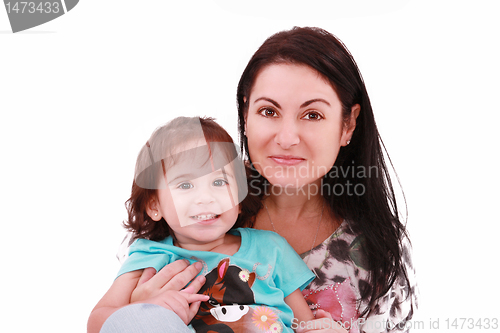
(152, 209)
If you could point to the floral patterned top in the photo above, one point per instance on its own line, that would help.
(339, 266)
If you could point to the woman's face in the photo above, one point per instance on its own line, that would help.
(294, 125)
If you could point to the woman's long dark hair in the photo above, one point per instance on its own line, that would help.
(372, 213)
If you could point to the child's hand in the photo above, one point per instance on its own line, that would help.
(323, 323)
(183, 303)
(174, 276)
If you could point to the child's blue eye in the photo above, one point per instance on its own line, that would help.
(185, 186)
(220, 182)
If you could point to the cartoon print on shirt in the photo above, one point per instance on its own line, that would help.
(228, 310)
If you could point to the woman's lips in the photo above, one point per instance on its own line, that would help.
(287, 160)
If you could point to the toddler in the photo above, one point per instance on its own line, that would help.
(187, 192)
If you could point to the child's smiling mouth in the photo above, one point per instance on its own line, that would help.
(205, 217)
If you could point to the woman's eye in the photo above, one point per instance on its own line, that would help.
(185, 186)
(313, 116)
(267, 112)
(220, 182)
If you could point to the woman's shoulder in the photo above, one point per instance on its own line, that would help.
(339, 256)
(345, 247)
(343, 244)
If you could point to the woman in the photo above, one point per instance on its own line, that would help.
(307, 128)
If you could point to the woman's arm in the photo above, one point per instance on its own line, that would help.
(184, 303)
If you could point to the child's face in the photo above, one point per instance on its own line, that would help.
(199, 209)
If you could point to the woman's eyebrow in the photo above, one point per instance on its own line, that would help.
(314, 101)
(306, 103)
(276, 104)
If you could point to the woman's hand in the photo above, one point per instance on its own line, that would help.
(323, 323)
(183, 303)
(174, 277)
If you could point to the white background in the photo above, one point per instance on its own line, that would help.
(80, 95)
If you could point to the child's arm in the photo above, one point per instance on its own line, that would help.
(116, 297)
(299, 306)
(119, 294)
(302, 313)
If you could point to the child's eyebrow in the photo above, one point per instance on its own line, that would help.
(226, 174)
(189, 176)
(184, 176)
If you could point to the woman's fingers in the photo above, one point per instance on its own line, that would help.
(193, 310)
(183, 304)
(167, 273)
(323, 314)
(194, 301)
(322, 324)
(151, 286)
(147, 274)
(183, 277)
(190, 298)
(195, 285)
(174, 276)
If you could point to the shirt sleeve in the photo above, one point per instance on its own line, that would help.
(291, 273)
(143, 254)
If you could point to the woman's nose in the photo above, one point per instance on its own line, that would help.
(287, 134)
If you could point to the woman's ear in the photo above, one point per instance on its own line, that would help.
(152, 209)
(350, 126)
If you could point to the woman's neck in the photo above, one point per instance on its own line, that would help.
(294, 202)
(303, 218)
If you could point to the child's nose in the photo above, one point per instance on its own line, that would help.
(205, 196)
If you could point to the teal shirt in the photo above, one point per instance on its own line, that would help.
(279, 269)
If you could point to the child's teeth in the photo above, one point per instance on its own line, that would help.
(205, 217)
